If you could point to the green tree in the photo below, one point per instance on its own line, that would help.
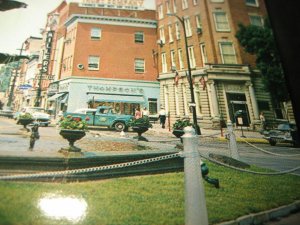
(260, 41)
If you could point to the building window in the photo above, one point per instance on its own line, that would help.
(94, 63)
(162, 35)
(152, 106)
(174, 6)
(177, 31)
(173, 63)
(195, 2)
(227, 53)
(187, 25)
(95, 33)
(139, 65)
(192, 57)
(160, 12)
(170, 34)
(221, 21)
(251, 2)
(164, 62)
(198, 24)
(203, 54)
(168, 6)
(256, 20)
(139, 37)
(185, 4)
(217, 1)
(180, 59)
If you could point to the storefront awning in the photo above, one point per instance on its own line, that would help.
(54, 97)
(115, 98)
(65, 99)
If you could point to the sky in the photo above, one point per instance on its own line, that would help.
(19, 24)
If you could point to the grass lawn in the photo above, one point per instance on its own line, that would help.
(155, 199)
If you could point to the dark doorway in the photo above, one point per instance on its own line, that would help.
(237, 102)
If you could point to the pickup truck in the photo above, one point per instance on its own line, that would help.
(104, 116)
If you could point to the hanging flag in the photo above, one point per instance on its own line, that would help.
(203, 82)
(176, 78)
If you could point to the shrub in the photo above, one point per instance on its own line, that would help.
(73, 123)
(180, 124)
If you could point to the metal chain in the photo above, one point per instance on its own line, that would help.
(271, 153)
(249, 171)
(91, 169)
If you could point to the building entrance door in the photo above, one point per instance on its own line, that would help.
(237, 103)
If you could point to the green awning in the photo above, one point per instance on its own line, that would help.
(116, 98)
(54, 97)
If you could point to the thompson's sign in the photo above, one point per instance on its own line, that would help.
(114, 4)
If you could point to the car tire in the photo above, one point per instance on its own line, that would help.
(119, 126)
(272, 142)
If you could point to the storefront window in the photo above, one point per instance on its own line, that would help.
(152, 106)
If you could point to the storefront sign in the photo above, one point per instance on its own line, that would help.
(64, 87)
(115, 90)
(114, 4)
(47, 53)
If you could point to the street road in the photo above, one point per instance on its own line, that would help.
(14, 140)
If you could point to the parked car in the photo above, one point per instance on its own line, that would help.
(284, 133)
(39, 114)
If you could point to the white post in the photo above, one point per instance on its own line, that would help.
(232, 142)
(195, 204)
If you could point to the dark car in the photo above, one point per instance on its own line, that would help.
(285, 133)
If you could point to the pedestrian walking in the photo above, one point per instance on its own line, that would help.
(162, 117)
(145, 112)
(34, 135)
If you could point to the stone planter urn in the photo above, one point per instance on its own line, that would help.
(25, 122)
(140, 130)
(71, 136)
(178, 133)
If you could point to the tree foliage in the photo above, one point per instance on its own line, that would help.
(260, 41)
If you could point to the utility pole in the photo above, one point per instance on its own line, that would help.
(11, 92)
(39, 90)
(190, 79)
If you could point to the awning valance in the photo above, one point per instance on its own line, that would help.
(54, 97)
(115, 98)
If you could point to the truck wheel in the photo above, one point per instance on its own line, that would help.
(272, 142)
(119, 126)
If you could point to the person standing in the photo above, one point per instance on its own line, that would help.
(145, 112)
(137, 114)
(162, 117)
(262, 120)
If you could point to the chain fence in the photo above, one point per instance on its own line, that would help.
(249, 171)
(90, 169)
(268, 152)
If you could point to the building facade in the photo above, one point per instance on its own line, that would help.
(110, 48)
(224, 78)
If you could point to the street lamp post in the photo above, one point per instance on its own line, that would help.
(193, 104)
(39, 90)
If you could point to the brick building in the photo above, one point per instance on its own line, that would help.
(102, 55)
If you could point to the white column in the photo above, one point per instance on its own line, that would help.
(214, 99)
(253, 100)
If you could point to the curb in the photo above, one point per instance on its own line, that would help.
(250, 140)
(265, 216)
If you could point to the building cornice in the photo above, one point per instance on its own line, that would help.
(111, 20)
